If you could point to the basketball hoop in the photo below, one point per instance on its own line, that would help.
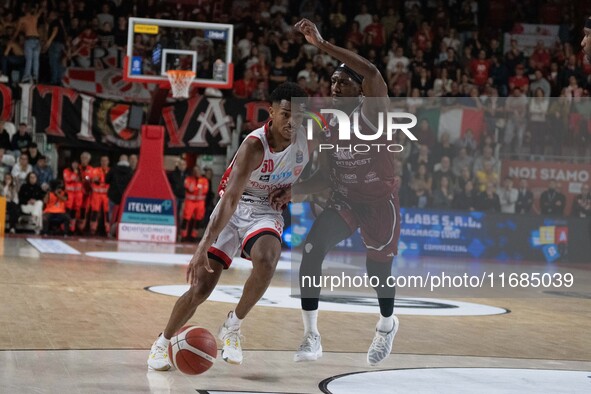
(180, 81)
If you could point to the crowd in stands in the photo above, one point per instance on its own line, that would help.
(449, 51)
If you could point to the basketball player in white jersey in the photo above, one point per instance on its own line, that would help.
(271, 157)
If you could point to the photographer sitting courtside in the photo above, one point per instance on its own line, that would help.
(55, 208)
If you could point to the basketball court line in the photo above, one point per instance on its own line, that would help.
(52, 246)
(281, 297)
(77, 370)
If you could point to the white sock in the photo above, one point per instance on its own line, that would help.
(310, 322)
(163, 341)
(386, 324)
(233, 320)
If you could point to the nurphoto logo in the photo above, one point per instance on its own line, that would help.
(388, 124)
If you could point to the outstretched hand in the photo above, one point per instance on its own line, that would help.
(310, 31)
(199, 260)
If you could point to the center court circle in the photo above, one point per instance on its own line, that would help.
(280, 297)
(459, 381)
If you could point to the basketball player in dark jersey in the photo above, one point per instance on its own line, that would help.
(364, 195)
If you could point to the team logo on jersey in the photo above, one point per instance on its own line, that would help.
(299, 157)
(265, 178)
(297, 170)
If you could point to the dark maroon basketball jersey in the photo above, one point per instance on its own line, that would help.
(361, 177)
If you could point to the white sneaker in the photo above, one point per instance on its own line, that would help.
(382, 345)
(310, 349)
(232, 350)
(158, 359)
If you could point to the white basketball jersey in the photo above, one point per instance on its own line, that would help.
(277, 170)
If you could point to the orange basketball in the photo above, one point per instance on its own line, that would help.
(192, 350)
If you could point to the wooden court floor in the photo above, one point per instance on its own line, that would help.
(81, 323)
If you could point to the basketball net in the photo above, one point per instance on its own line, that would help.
(180, 81)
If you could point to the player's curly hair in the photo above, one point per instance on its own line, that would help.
(286, 91)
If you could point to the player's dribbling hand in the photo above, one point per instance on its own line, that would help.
(279, 198)
(199, 259)
(310, 31)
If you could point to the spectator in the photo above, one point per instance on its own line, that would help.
(582, 203)
(421, 157)
(540, 58)
(44, 173)
(508, 196)
(464, 177)
(462, 160)
(443, 168)
(571, 69)
(443, 195)
(514, 56)
(374, 34)
(573, 90)
(480, 69)
(486, 157)
(10, 192)
(525, 198)
(468, 142)
(420, 196)
(105, 16)
(488, 200)
(14, 58)
(552, 201)
(519, 80)
(118, 179)
(538, 129)
(355, 35)
(55, 208)
(33, 153)
(55, 46)
(261, 93)
(364, 18)
(540, 83)
(245, 87)
(21, 170)
(84, 45)
(21, 139)
(558, 119)
(389, 21)
(425, 135)
(451, 41)
(498, 76)
(5, 144)
(443, 148)
(279, 73)
(466, 198)
(399, 81)
(176, 178)
(4, 168)
(516, 107)
(422, 176)
(422, 82)
(31, 197)
(28, 25)
(442, 85)
(487, 176)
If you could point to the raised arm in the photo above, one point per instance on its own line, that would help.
(249, 156)
(373, 84)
